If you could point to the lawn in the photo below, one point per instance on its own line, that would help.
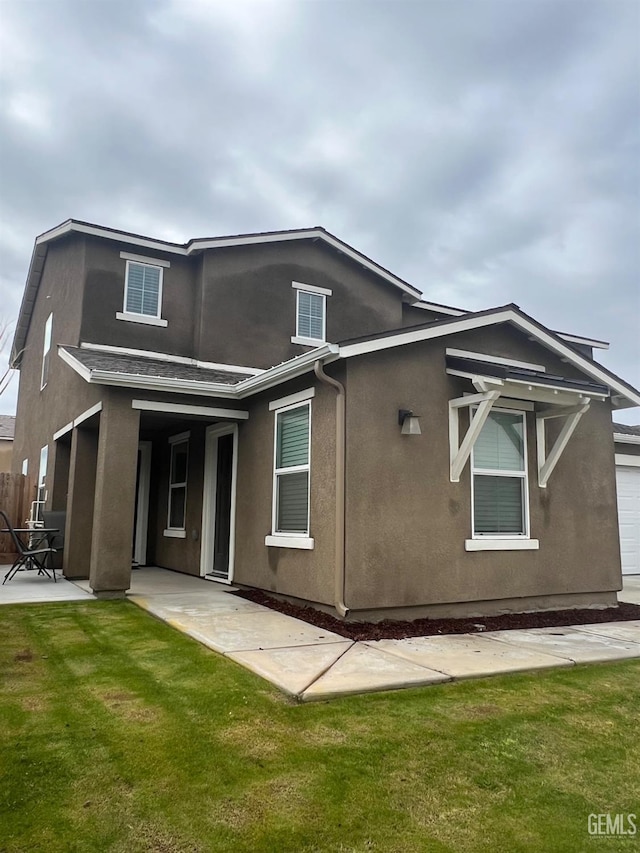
(119, 734)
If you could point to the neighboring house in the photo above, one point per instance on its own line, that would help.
(7, 427)
(278, 410)
(627, 444)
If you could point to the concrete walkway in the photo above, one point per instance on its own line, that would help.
(310, 663)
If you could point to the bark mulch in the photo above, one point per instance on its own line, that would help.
(390, 629)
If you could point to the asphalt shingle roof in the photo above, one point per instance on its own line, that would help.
(625, 429)
(7, 426)
(131, 365)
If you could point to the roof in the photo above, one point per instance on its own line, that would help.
(191, 247)
(625, 434)
(7, 426)
(524, 375)
(624, 395)
(437, 308)
(136, 371)
(118, 365)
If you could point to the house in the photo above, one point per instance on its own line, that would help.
(627, 448)
(279, 410)
(7, 427)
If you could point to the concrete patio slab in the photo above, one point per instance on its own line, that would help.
(629, 631)
(150, 580)
(570, 643)
(363, 669)
(31, 588)
(292, 669)
(196, 606)
(243, 630)
(468, 655)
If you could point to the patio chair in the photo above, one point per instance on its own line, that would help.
(28, 557)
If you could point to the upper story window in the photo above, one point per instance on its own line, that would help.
(46, 351)
(143, 290)
(499, 473)
(311, 314)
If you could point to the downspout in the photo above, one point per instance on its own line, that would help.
(338, 594)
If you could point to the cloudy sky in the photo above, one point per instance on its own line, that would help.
(487, 152)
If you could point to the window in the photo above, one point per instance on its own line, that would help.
(42, 483)
(143, 289)
(46, 351)
(499, 475)
(311, 314)
(25, 467)
(291, 471)
(178, 485)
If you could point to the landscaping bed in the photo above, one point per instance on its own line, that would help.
(395, 629)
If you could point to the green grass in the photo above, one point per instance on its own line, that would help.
(119, 734)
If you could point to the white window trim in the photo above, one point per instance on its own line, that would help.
(174, 440)
(311, 288)
(291, 399)
(125, 314)
(279, 540)
(492, 544)
(141, 259)
(315, 291)
(508, 538)
(283, 539)
(141, 318)
(46, 350)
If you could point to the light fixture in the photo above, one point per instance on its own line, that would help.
(409, 422)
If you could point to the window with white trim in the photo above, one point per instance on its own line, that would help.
(499, 477)
(42, 483)
(178, 482)
(143, 289)
(291, 471)
(46, 351)
(311, 315)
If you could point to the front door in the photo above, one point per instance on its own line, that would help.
(218, 516)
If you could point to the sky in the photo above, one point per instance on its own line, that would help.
(486, 151)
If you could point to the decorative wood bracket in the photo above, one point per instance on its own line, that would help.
(459, 453)
(546, 464)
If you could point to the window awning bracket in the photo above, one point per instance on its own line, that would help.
(547, 463)
(459, 453)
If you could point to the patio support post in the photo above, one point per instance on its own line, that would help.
(111, 546)
(82, 483)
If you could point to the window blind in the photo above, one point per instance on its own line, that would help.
(143, 289)
(500, 445)
(293, 502)
(498, 504)
(310, 315)
(293, 438)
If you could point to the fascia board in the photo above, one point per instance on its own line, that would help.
(547, 339)
(287, 370)
(177, 386)
(410, 337)
(79, 368)
(310, 234)
(116, 236)
(624, 438)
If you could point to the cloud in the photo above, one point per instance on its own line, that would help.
(485, 151)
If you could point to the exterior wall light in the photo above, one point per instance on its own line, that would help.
(409, 422)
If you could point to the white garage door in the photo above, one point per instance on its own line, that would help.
(628, 482)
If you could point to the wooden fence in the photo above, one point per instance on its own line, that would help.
(16, 494)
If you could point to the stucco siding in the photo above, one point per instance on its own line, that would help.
(249, 292)
(407, 523)
(300, 573)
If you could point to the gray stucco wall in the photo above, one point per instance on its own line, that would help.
(407, 523)
(293, 572)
